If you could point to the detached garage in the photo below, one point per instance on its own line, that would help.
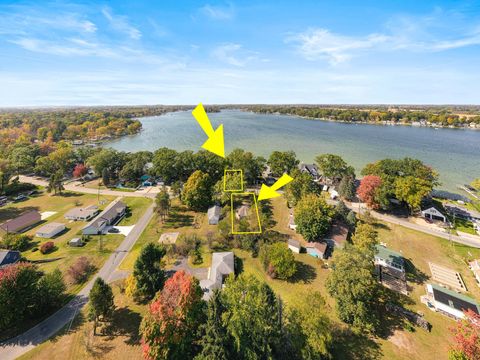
(433, 213)
(49, 230)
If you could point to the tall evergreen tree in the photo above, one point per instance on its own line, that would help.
(215, 342)
(148, 270)
(101, 302)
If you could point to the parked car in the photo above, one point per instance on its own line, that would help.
(20, 197)
(113, 230)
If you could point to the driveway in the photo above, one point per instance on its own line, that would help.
(19, 345)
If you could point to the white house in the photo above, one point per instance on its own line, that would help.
(75, 242)
(82, 214)
(433, 213)
(223, 264)
(448, 302)
(111, 215)
(294, 245)
(49, 230)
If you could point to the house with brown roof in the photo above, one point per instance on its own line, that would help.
(21, 223)
(317, 249)
(338, 235)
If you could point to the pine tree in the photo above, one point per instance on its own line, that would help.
(148, 270)
(101, 302)
(215, 341)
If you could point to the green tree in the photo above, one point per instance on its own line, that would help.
(365, 238)
(356, 292)
(22, 159)
(313, 217)
(251, 165)
(412, 191)
(101, 302)
(309, 328)
(278, 261)
(215, 342)
(282, 162)
(18, 293)
(51, 290)
(252, 318)
(300, 186)
(346, 188)
(109, 159)
(55, 183)
(12, 241)
(134, 167)
(148, 270)
(476, 184)
(197, 192)
(333, 166)
(162, 203)
(165, 165)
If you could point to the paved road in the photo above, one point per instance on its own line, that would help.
(473, 241)
(81, 189)
(19, 345)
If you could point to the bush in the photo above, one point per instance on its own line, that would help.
(47, 247)
(16, 187)
(80, 270)
(18, 242)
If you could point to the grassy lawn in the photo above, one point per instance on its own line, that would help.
(179, 220)
(79, 342)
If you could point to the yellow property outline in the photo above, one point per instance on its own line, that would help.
(225, 180)
(232, 215)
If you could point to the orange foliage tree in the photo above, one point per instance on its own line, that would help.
(169, 329)
(466, 335)
(367, 190)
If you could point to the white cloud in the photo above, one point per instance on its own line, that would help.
(316, 44)
(218, 12)
(121, 24)
(234, 54)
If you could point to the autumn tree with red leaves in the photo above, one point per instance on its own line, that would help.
(79, 171)
(169, 329)
(466, 335)
(367, 191)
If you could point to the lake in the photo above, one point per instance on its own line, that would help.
(454, 153)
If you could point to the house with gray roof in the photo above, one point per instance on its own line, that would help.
(449, 302)
(310, 169)
(8, 257)
(82, 214)
(110, 216)
(223, 264)
(214, 214)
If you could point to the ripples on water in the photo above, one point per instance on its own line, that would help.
(455, 153)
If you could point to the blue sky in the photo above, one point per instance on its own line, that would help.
(185, 52)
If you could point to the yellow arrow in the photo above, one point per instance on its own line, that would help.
(215, 142)
(268, 192)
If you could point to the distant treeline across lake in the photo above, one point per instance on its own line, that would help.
(454, 153)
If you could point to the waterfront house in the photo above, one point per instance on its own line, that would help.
(390, 269)
(8, 257)
(223, 264)
(214, 214)
(82, 214)
(338, 235)
(449, 302)
(310, 169)
(475, 267)
(432, 213)
(50, 230)
(317, 249)
(111, 215)
(294, 245)
(21, 223)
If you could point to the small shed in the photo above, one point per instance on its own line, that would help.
(317, 249)
(294, 245)
(76, 242)
(433, 213)
(49, 230)
(213, 214)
